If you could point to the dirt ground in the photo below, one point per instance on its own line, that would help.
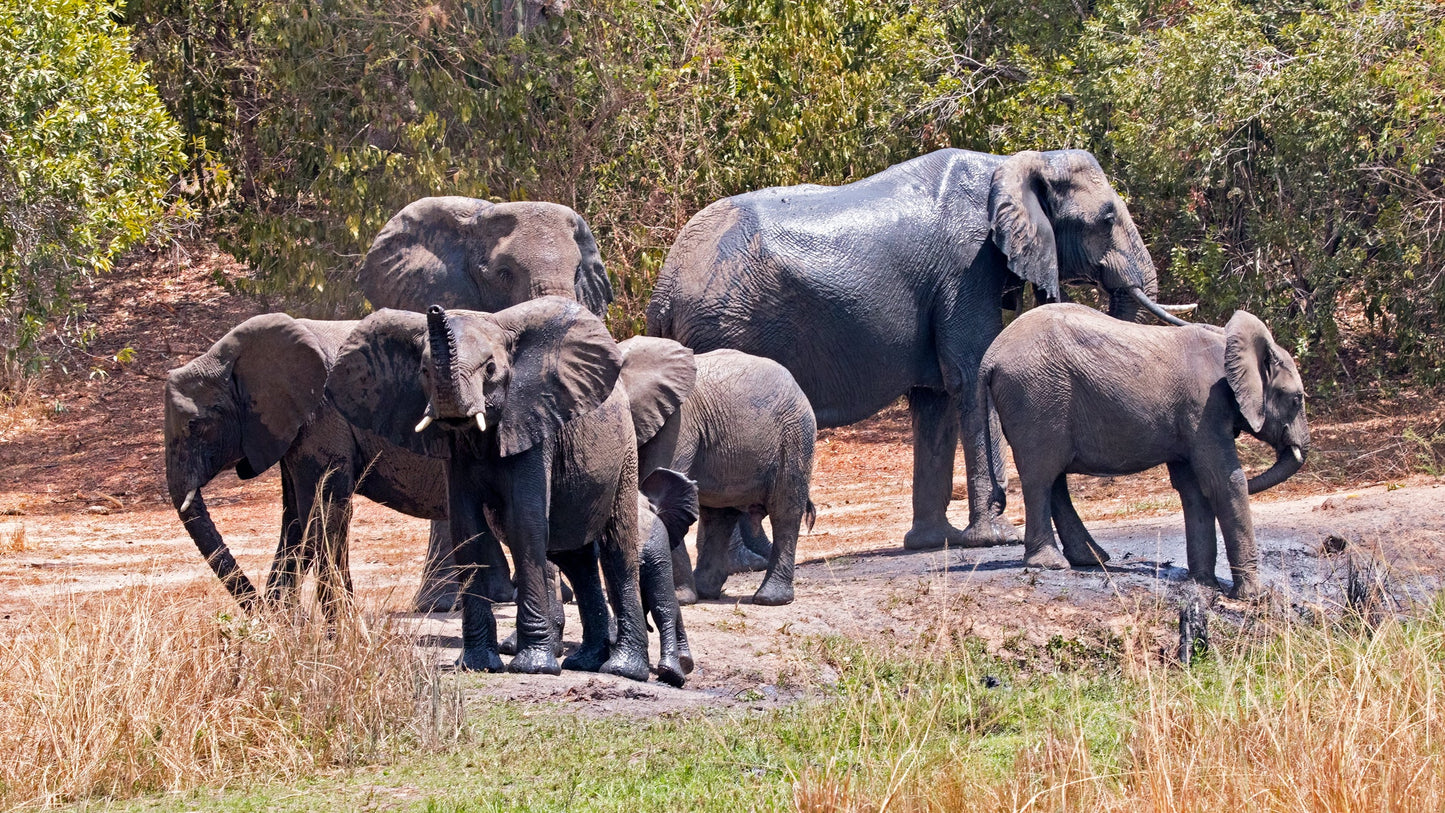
(83, 511)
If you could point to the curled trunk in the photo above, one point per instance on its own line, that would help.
(1287, 461)
(213, 548)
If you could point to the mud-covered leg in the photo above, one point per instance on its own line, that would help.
(1225, 485)
(753, 535)
(580, 568)
(1079, 546)
(620, 556)
(1201, 544)
(714, 530)
(660, 602)
(777, 586)
(1040, 547)
(479, 626)
(556, 613)
(741, 558)
(935, 442)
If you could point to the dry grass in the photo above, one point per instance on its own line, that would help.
(1301, 718)
(144, 691)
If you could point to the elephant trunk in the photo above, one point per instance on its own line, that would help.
(1288, 461)
(1162, 312)
(1124, 306)
(443, 351)
(192, 509)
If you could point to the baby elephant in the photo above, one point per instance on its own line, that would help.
(666, 507)
(745, 433)
(1077, 391)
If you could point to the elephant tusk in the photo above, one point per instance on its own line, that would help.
(1154, 307)
(190, 498)
(1298, 455)
(482, 421)
(1181, 309)
(423, 423)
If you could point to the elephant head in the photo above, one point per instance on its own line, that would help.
(1056, 218)
(518, 374)
(1270, 394)
(240, 404)
(461, 252)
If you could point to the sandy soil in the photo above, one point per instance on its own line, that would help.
(83, 511)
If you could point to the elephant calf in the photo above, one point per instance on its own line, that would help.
(666, 507)
(1079, 392)
(745, 433)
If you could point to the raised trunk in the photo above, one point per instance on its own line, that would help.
(443, 352)
(1287, 461)
(202, 529)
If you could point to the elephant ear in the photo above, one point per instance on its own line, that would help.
(1020, 222)
(591, 284)
(564, 364)
(423, 256)
(1247, 353)
(673, 498)
(659, 374)
(376, 382)
(278, 370)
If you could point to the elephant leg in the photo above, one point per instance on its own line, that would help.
(660, 602)
(1226, 486)
(555, 613)
(777, 586)
(334, 588)
(439, 583)
(741, 558)
(714, 533)
(935, 441)
(982, 443)
(684, 652)
(1040, 547)
(1201, 545)
(620, 555)
(536, 637)
(682, 579)
(753, 535)
(580, 568)
(470, 537)
(1079, 546)
(283, 580)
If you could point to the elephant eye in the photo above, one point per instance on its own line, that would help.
(491, 369)
(504, 274)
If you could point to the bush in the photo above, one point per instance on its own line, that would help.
(87, 153)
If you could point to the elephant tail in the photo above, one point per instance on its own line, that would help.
(810, 515)
(992, 445)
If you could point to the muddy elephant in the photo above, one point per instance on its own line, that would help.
(1079, 393)
(745, 433)
(255, 399)
(538, 443)
(894, 285)
(460, 252)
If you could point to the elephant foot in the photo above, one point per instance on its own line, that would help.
(535, 660)
(742, 560)
(508, 646)
(774, 593)
(1206, 580)
(1048, 558)
(1248, 589)
(586, 659)
(670, 671)
(707, 586)
(443, 597)
(630, 665)
(988, 532)
(479, 659)
(684, 657)
(686, 596)
(1090, 555)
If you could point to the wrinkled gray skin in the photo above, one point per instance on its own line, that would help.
(461, 252)
(539, 445)
(1079, 393)
(667, 507)
(254, 399)
(894, 284)
(746, 435)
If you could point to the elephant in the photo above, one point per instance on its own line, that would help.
(746, 435)
(539, 445)
(895, 284)
(461, 252)
(1079, 393)
(254, 399)
(667, 507)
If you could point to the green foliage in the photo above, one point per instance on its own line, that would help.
(87, 153)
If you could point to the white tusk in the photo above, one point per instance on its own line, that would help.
(190, 498)
(423, 423)
(482, 421)
(1180, 309)
(1298, 457)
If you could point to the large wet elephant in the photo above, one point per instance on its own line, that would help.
(1078, 392)
(538, 441)
(895, 285)
(460, 252)
(255, 399)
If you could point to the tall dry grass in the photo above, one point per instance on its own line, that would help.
(148, 691)
(1300, 719)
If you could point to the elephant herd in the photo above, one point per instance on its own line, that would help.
(486, 394)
